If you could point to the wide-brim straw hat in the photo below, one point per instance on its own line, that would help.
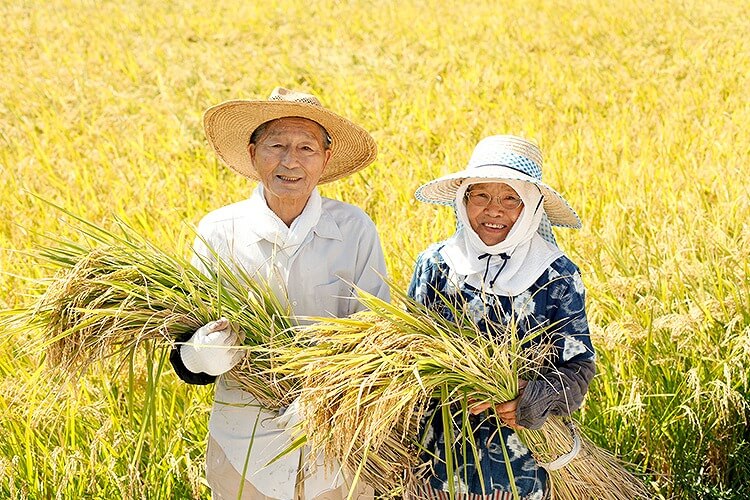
(229, 125)
(497, 158)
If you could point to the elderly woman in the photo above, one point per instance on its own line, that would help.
(502, 263)
(311, 250)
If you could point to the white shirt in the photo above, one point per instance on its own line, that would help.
(311, 266)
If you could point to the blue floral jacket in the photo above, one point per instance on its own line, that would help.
(556, 298)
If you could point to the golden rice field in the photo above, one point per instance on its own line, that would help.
(641, 109)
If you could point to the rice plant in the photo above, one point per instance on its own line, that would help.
(365, 382)
(370, 382)
(639, 107)
(121, 291)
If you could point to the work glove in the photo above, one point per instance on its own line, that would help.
(212, 349)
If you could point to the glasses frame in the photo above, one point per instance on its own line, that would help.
(502, 203)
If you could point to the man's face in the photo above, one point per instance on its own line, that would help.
(290, 157)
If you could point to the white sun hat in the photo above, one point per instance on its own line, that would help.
(228, 127)
(497, 158)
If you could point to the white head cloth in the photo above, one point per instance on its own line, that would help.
(511, 266)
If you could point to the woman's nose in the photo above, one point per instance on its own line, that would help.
(494, 209)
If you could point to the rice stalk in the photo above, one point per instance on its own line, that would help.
(120, 291)
(593, 474)
(368, 383)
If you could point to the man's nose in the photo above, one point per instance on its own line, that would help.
(290, 157)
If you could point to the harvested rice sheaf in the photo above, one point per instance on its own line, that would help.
(365, 382)
(368, 380)
(123, 292)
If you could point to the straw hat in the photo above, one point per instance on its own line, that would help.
(500, 157)
(229, 125)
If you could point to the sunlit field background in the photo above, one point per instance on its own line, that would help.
(642, 112)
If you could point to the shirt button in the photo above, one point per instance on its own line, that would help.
(294, 303)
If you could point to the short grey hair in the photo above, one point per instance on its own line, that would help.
(261, 129)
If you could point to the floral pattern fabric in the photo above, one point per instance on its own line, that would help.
(555, 301)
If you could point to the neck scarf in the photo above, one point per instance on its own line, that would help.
(270, 227)
(511, 266)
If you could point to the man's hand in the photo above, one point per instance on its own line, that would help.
(212, 349)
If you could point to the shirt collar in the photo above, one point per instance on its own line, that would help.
(265, 222)
(327, 227)
(267, 225)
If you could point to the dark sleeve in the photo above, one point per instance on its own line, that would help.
(561, 389)
(179, 367)
(416, 285)
(558, 392)
(426, 280)
(201, 260)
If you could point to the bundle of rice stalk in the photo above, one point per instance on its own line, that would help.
(368, 381)
(118, 291)
(593, 474)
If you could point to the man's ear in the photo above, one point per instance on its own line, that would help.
(251, 152)
(328, 157)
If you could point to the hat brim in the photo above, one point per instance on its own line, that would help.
(228, 127)
(443, 190)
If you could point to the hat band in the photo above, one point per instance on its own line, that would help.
(505, 166)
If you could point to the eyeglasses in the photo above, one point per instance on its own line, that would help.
(483, 199)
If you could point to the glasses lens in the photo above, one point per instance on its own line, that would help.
(510, 202)
(481, 199)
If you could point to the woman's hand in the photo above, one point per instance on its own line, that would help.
(505, 411)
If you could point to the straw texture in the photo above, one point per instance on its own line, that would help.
(502, 157)
(228, 127)
(124, 293)
(366, 383)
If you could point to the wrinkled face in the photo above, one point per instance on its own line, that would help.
(486, 208)
(290, 157)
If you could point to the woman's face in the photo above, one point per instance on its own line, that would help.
(492, 209)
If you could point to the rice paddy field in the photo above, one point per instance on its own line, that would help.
(641, 109)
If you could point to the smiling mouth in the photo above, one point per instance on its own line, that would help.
(287, 178)
(490, 225)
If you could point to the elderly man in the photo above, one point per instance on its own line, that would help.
(310, 250)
